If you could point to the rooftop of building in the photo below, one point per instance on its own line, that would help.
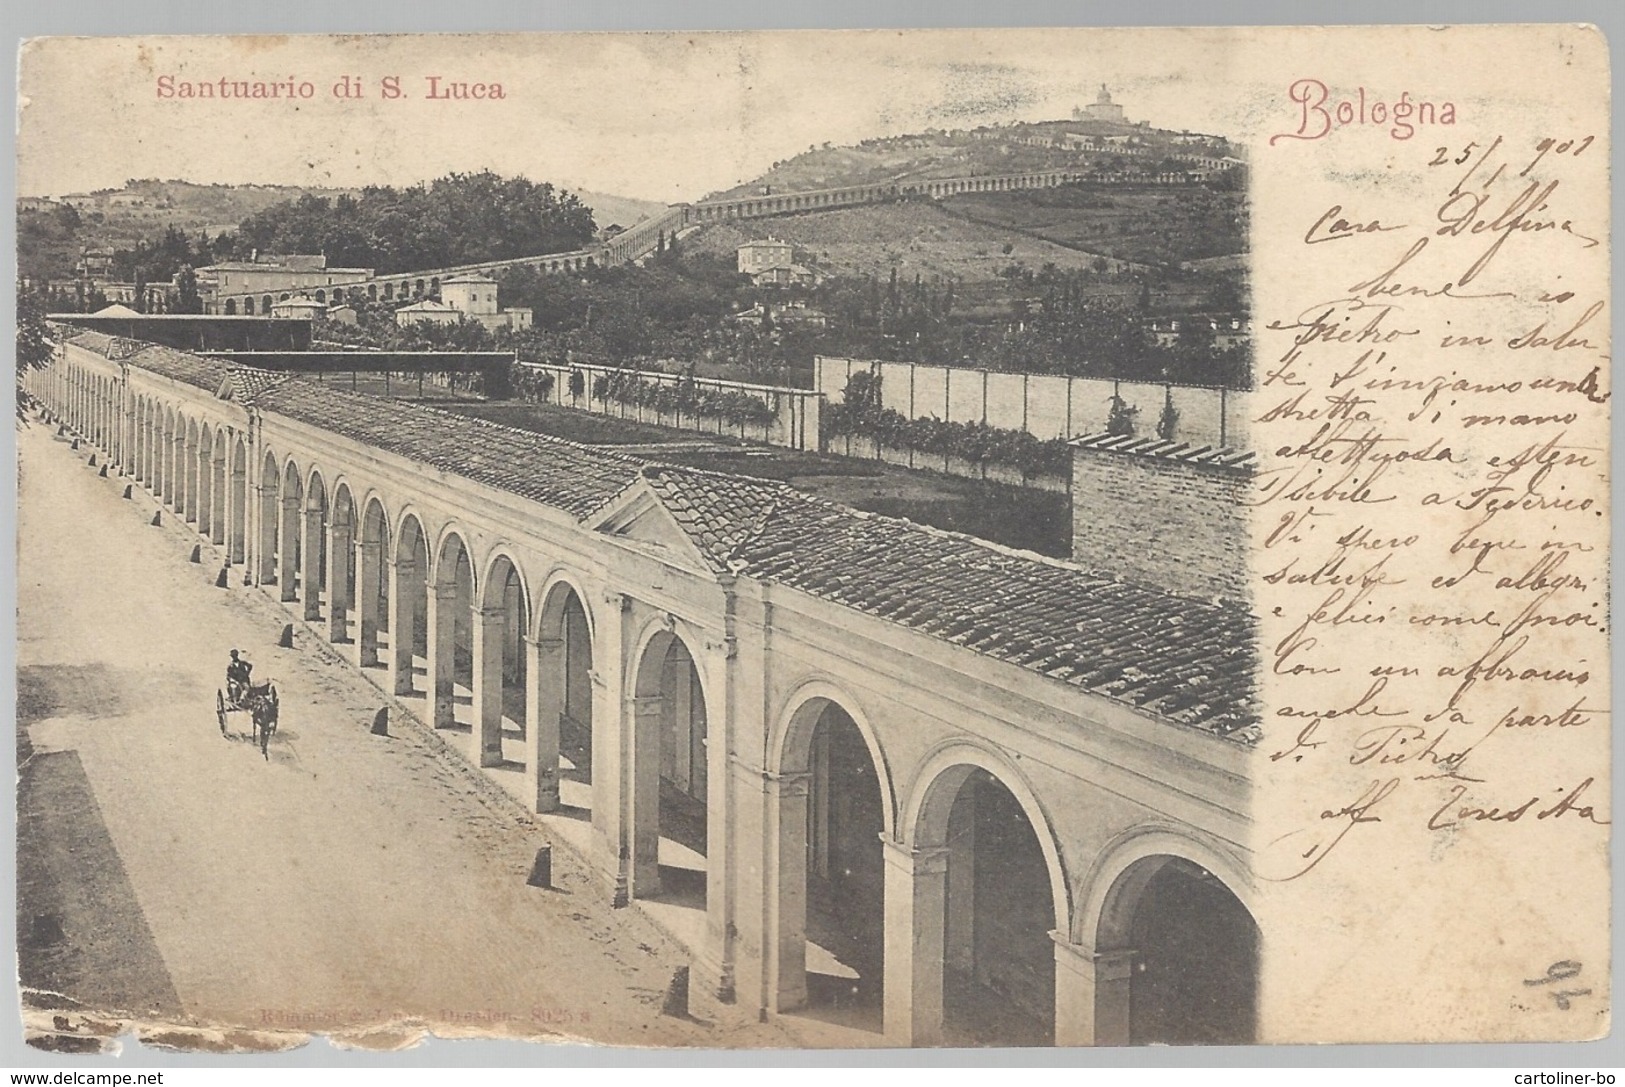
(1189, 662)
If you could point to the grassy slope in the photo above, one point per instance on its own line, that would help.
(913, 237)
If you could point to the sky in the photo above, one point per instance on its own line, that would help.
(664, 117)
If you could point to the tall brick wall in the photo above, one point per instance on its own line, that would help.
(1162, 522)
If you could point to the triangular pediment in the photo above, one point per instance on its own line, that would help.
(639, 516)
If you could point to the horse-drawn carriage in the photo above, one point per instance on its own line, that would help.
(258, 700)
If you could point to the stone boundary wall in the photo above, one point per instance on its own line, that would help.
(797, 411)
(1044, 405)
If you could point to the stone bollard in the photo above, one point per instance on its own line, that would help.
(286, 641)
(223, 579)
(128, 489)
(103, 472)
(92, 462)
(75, 444)
(541, 872)
(157, 518)
(676, 1002)
(197, 553)
(380, 722)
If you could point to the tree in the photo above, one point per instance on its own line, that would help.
(35, 346)
(187, 299)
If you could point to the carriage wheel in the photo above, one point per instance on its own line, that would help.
(220, 709)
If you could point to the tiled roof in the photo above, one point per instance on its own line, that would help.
(195, 370)
(1190, 662)
(552, 471)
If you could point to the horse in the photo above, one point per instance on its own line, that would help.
(261, 700)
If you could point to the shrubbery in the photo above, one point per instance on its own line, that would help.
(683, 397)
(860, 415)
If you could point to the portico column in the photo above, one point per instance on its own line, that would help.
(916, 885)
(544, 706)
(786, 807)
(368, 583)
(1091, 994)
(643, 717)
(442, 648)
(219, 504)
(402, 602)
(237, 496)
(490, 626)
(310, 564)
(266, 503)
(338, 583)
(205, 496)
(289, 556)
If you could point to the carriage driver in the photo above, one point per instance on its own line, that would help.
(237, 673)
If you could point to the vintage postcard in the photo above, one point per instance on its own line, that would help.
(820, 539)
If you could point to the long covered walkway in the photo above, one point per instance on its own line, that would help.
(346, 882)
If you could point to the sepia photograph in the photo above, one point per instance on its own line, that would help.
(813, 540)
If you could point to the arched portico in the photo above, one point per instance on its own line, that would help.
(238, 521)
(408, 604)
(204, 503)
(1166, 948)
(165, 490)
(313, 547)
(973, 892)
(186, 504)
(559, 675)
(669, 772)
(372, 582)
(288, 551)
(219, 511)
(450, 615)
(499, 659)
(340, 578)
(834, 804)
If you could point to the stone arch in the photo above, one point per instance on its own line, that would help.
(985, 884)
(290, 558)
(1169, 917)
(187, 470)
(373, 561)
(339, 581)
(205, 501)
(408, 601)
(237, 529)
(502, 622)
(830, 783)
(561, 702)
(231, 307)
(313, 545)
(270, 516)
(670, 727)
(453, 590)
(219, 496)
(166, 458)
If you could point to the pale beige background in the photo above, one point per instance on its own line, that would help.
(1402, 933)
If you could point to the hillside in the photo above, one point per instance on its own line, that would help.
(1020, 148)
(51, 234)
(1140, 224)
(916, 238)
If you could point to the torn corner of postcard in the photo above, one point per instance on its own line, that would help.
(1066, 537)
